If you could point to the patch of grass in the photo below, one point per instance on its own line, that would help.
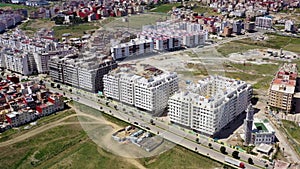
(31, 26)
(60, 147)
(174, 159)
(242, 76)
(270, 69)
(11, 133)
(293, 133)
(292, 128)
(235, 47)
(135, 22)
(15, 6)
(263, 83)
(165, 8)
(275, 41)
(75, 30)
(55, 116)
(206, 10)
(8, 134)
(95, 112)
(279, 27)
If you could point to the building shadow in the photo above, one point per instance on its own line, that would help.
(232, 126)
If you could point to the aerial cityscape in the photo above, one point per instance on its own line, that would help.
(207, 84)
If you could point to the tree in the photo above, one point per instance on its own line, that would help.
(52, 84)
(250, 161)
(209, 145)
(41, 82)
(70, 90)
(235, 154)
(58, 86)
(223, 150)
(197, 140)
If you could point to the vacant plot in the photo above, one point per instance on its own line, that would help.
(15, 6)
(135, 22)
(242, 76)
(97, 113)
(165, 8)
(292, 128)
(235, 47)
(12, 133)
(31, 26)
(269, 69)
(275, 41)
(75, 30)
(207, 11)
(60, 147)
(293, 131)
(263, 83)
(179, 157)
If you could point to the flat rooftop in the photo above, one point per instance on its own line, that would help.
(138, 70)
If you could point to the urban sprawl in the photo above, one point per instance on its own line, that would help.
(107, 65)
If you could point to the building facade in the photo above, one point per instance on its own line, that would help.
(209, 105)
(84, 71)
(142, 86)
(135, 47)
(17, 61)
(263, 22)
(282, 88)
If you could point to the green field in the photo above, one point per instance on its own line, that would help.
(75, 30)
(261, 74)
(97, 113)
(276, 42)
(174, 159)
(165, 8)
(60, 147)
(69, 146)
(12, 133)
(292, 128)
(269, 69)
(207, 11)
(135, 22)
(15, 6)
(33, 25)
(293, 133)
(235, 47)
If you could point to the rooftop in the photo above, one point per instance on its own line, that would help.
(285, 80)
(261, 125)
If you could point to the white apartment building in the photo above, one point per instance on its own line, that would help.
(173, 35)
(133, 48)
(210, 104)
(142, 86)
(17, 118)
(39, 48)
(17, 61)
(263, 22)
(289, 26)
